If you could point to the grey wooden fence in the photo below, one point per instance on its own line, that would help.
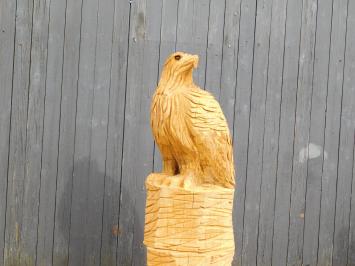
(75, 142)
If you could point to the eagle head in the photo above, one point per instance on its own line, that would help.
(178, 69)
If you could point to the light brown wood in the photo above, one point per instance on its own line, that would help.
(189, 205)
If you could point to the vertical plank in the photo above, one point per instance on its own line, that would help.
(51, 132)
(184, 31)
(214, 48)
(271, 134)
(7, 37)
(98, 124)
(185, 26)
(138, 143)
(346, 144)
(230, 60)
(242, 110)
(65, 166)
(34, 139)
(80, 230)
(126, 207)
(302, 147)
(316, 135)
(228, 85)
(18, 137)
(192, 31)
(351, 251)
(256, 131)
(286, 132)
(148, 84)
(331, 145)
(117, 92)
(168, 32)
(349, 114)
(199, 40)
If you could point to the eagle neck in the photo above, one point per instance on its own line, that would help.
(174, 81)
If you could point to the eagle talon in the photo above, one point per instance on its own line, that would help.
(156, 178)
(172, 181)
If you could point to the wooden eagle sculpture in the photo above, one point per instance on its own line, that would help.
(190, 128)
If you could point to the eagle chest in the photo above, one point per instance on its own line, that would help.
(162, 117)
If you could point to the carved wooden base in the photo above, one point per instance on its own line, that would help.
(188, 226)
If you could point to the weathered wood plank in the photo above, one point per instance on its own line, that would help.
(230, 61)
(256, 132)
(7, 35)
(168, 31)
(346, 146)
(51, 132)
(331, 145)
(138, 143)
(67, 132)
(80, 231)
(14, 254)
(351, 251)
(110, 230)
(214, 48)
(34, 139)
(148, 84)
(271, 135)
(125, 219)
(167, 46)
(301, 142)
(349, 81)
(242, 110)
(201, 16)
(99, 122)
(286, 135)
(228, 85)
(316, 135)
(192, 30)
(185, 26)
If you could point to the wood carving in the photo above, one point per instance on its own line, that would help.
(189, 205)
(189, 127)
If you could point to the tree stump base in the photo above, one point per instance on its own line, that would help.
(188, 226)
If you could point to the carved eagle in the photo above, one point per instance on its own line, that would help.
(190, 128)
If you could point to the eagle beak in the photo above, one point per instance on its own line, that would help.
(192, 60)
(195, 61)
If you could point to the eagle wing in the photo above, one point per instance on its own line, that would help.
(209, 132)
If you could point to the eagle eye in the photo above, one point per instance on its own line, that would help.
(177, 57)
